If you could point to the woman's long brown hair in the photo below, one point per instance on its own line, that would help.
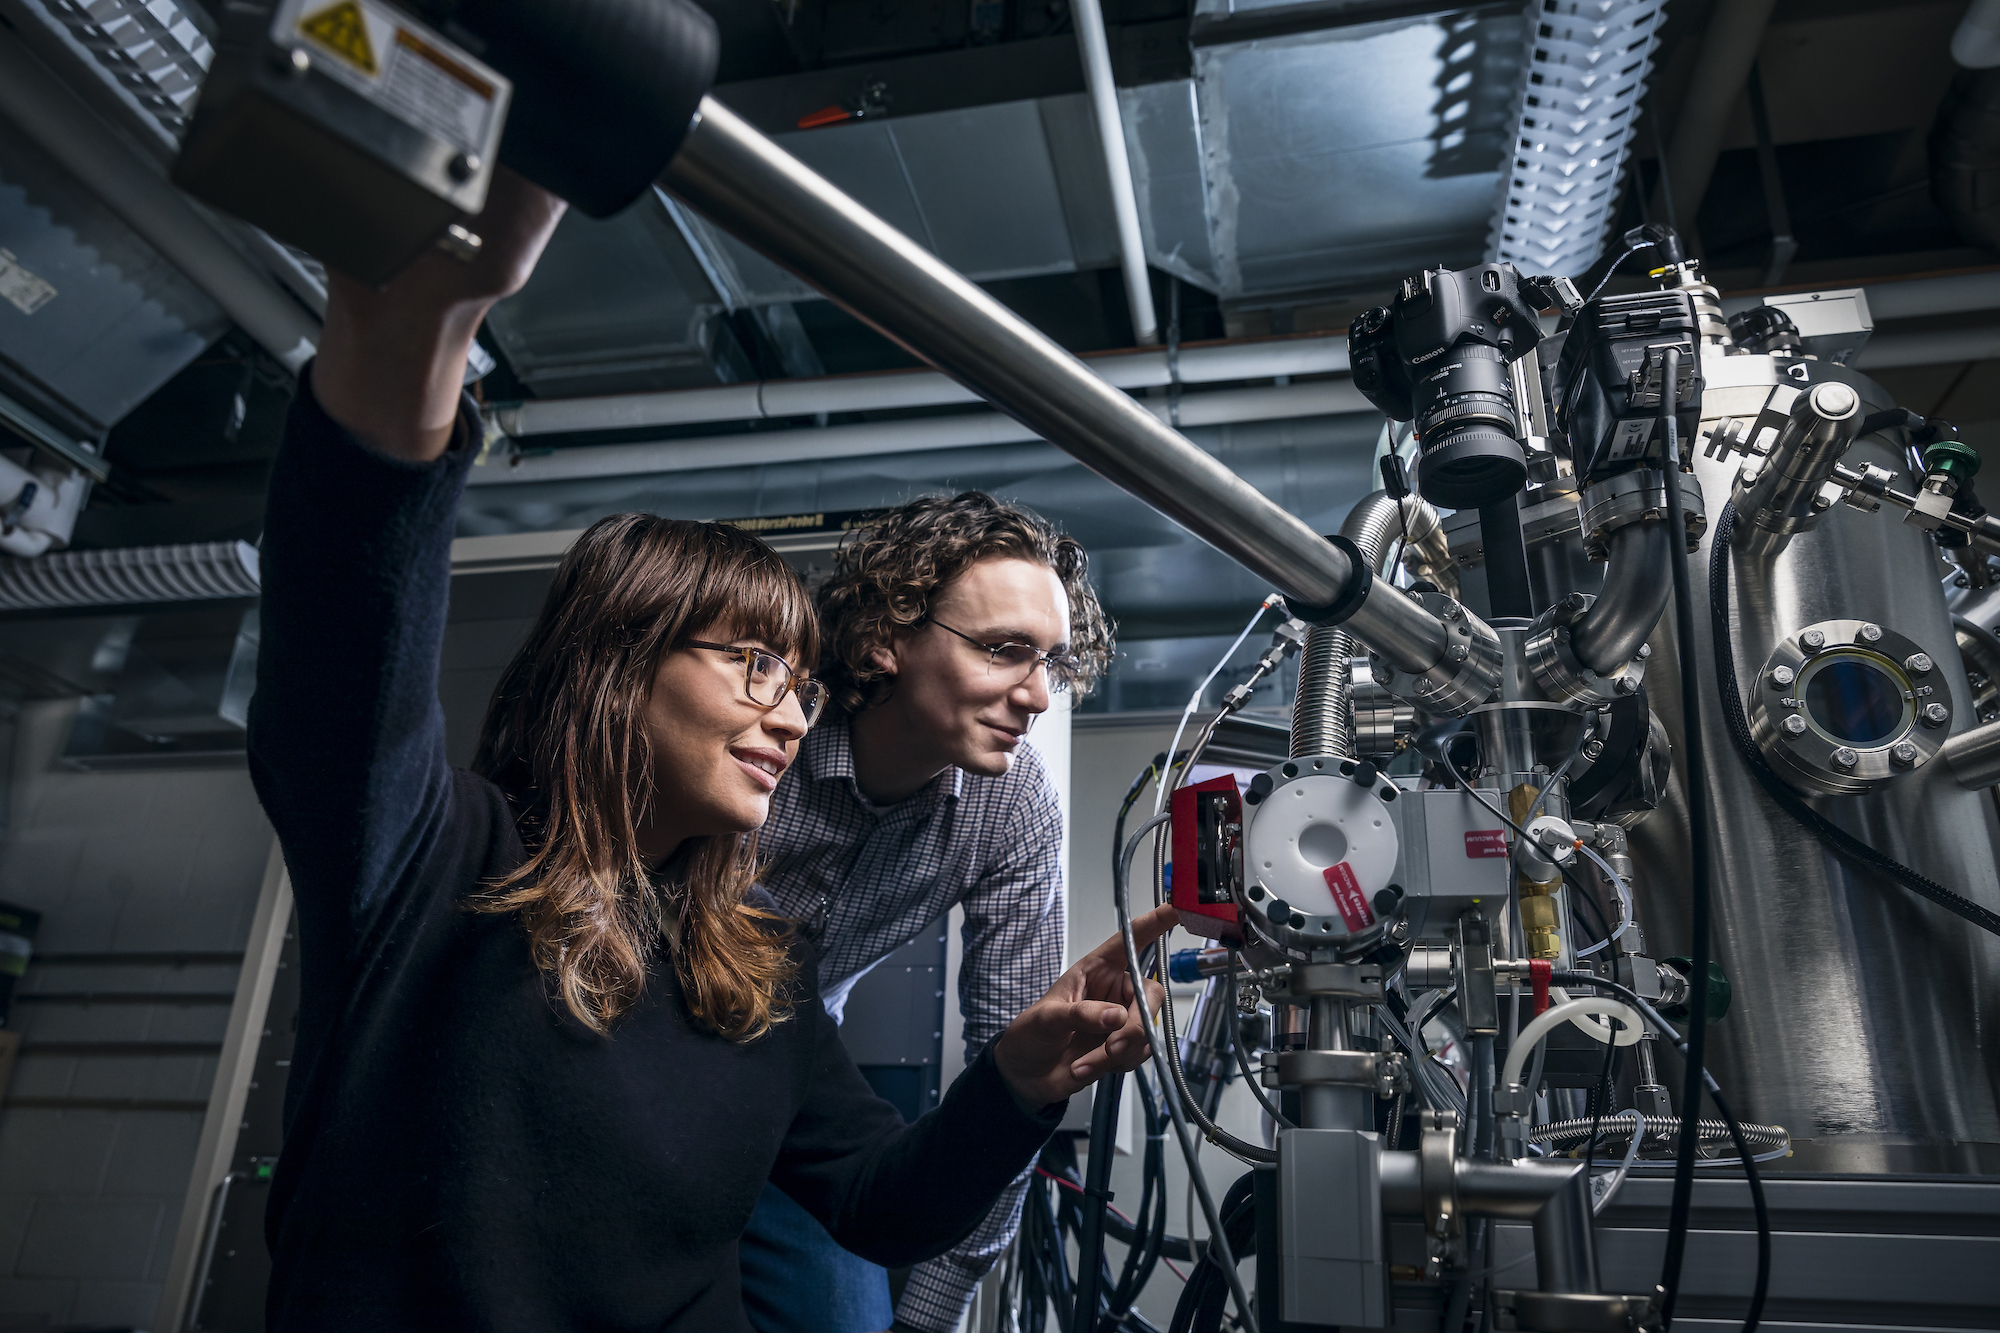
(565, 738)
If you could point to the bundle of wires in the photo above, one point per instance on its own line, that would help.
(1054, 1216)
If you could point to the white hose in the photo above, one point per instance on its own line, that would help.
(1592, 1027)
(1166, 784)
(1555, 1016)
(1624, 901)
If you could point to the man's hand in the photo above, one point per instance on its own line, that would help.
(391, 362)
(1085, 1027)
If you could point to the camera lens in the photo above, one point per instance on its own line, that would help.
(1466, 425)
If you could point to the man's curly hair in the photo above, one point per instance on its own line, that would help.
(886, 576)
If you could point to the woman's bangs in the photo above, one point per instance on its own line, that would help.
(757, 596)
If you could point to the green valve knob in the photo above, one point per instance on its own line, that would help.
(1719, 992)
(1953, 458)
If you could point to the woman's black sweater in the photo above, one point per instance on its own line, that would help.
(460, 1153)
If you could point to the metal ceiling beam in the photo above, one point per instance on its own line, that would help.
(58, 121)
(1728, 49)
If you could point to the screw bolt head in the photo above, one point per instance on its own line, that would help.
(1645, 651)
(1918, 664)
(1626, 685)
(1870, 632)
(1794, 725)
(1903, 754)
(463, 166)
(1936, 715)
(1813, 638)
(1845, 758)
(296, 62)
(1783, 676)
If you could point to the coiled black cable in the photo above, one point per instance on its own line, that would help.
(1780, 792)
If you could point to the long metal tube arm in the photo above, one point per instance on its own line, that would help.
(774, 203)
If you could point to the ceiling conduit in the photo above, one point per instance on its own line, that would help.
(873, 438)
(1212, 363)
(1117, 167)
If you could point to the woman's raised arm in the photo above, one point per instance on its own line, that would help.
(346, 735)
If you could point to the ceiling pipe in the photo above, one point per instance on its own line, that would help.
(1096, 49)
(776, 204)
(877, 438)
(1722, 71)
(1212, 363)
(59, 122)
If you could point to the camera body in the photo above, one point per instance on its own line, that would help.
(1606, 389)
(1441, 355)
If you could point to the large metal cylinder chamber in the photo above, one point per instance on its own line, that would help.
(1865, 1020)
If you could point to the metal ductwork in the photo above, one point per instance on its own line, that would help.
(1580, 104)
(136, 576)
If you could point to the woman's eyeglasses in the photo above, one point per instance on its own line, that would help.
(1019, 660)
(768, 678)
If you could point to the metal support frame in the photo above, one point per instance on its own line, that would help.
(228, 1095)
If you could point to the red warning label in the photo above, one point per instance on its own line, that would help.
(1348, 897)
(1486, 843)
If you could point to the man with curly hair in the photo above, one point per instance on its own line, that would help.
(947, 628)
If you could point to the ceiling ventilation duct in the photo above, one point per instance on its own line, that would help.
(134, 576)
(1586, 79)
(156, 50)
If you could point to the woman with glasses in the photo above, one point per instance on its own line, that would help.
(948, 627)
(552, 1042)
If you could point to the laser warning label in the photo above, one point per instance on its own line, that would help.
(402, 66)
(342, 30)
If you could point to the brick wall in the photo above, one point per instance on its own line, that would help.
(161, 861)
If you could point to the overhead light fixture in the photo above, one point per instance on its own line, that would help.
(1587, 72)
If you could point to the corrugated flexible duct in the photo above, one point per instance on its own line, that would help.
(131, 576)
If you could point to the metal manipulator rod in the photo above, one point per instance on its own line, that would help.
(774, 203)
(1868, 488)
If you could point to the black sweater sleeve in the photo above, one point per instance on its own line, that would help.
(897, 1194)
(346, 735)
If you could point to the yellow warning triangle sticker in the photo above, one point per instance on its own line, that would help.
(342, 30)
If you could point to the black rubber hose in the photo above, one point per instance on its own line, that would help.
(1780, 792)
(1096, 1194)
(1202, 1301)
(1697, 798)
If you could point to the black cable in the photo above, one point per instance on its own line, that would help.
(1203, 1300)
(1780, 792)
(1758, 1204)
(1603, 1091)
(1697, 798)
(1763, 1281)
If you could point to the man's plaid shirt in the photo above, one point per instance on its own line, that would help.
(864, 880)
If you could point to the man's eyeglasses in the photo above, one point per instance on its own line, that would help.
(1019, 660)
(768, 678)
